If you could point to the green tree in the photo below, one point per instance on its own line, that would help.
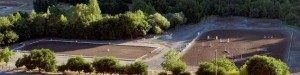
(6, 55)
(39, 58)
(76, 64)
(176, 18)
(208, 68)
(113, 6)
(138, 67)
(263, 65)
(2, 37)
(87, 67)
(143, 6)
(173, 63)
(158, 20)
(23, 61)
(106, 64)
(191, 10)
(224, 67)
(11, 37)
(5, 24)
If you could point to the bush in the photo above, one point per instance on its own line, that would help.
(106, 65)
(139, 68)
(162, 73)
(62, 67)
(6, 55)
(210, 69)
(225, 67)
(38, 58)
(176, 18)
(158, 20)
(76, 64)
(185, 73)
(263, 65)
(173, 63)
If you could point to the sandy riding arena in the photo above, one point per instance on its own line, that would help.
(88, 49)
(237, 45)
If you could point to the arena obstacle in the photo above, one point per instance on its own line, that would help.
(217, 37)
(208, 37)
(227, 40)
(108, 50)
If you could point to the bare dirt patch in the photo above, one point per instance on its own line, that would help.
(119, 51)
(242, 45)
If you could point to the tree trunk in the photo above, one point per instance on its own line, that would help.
(40, 70)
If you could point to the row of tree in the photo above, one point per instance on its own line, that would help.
(104, 65)
(256, 65)
(44, 60)
(84, 21)
(195, 10)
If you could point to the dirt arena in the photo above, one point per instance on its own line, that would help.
(241, 45)
(228, 20)
(119, 51)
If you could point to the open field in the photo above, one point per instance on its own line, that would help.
(237, 45)
(86, 49)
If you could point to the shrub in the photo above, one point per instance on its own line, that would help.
(176, 18)
(162, 73)
(263, 65)
(76, 64)
(106, 65)
(225, 67)
(139, 68)
(39, 58)
(6, 55)
(173, 63)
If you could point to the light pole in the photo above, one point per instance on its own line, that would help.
(216, 55)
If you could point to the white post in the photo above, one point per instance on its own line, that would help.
(228, 40)
(216, 55)
(217, 37)
(208, 37)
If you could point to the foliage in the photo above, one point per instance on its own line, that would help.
(158, 20)
(106, 65)
(138, 67)
(173, 63)
(76, 64)
(43, 5)
(113, 6)
(210, 69)
(224, 67)
(39, 58)
(263, 65)
(143, 6)
(6, 55)
(162, 73)
(176, 18)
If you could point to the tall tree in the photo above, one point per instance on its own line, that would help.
(263, 65)
(6, 55)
